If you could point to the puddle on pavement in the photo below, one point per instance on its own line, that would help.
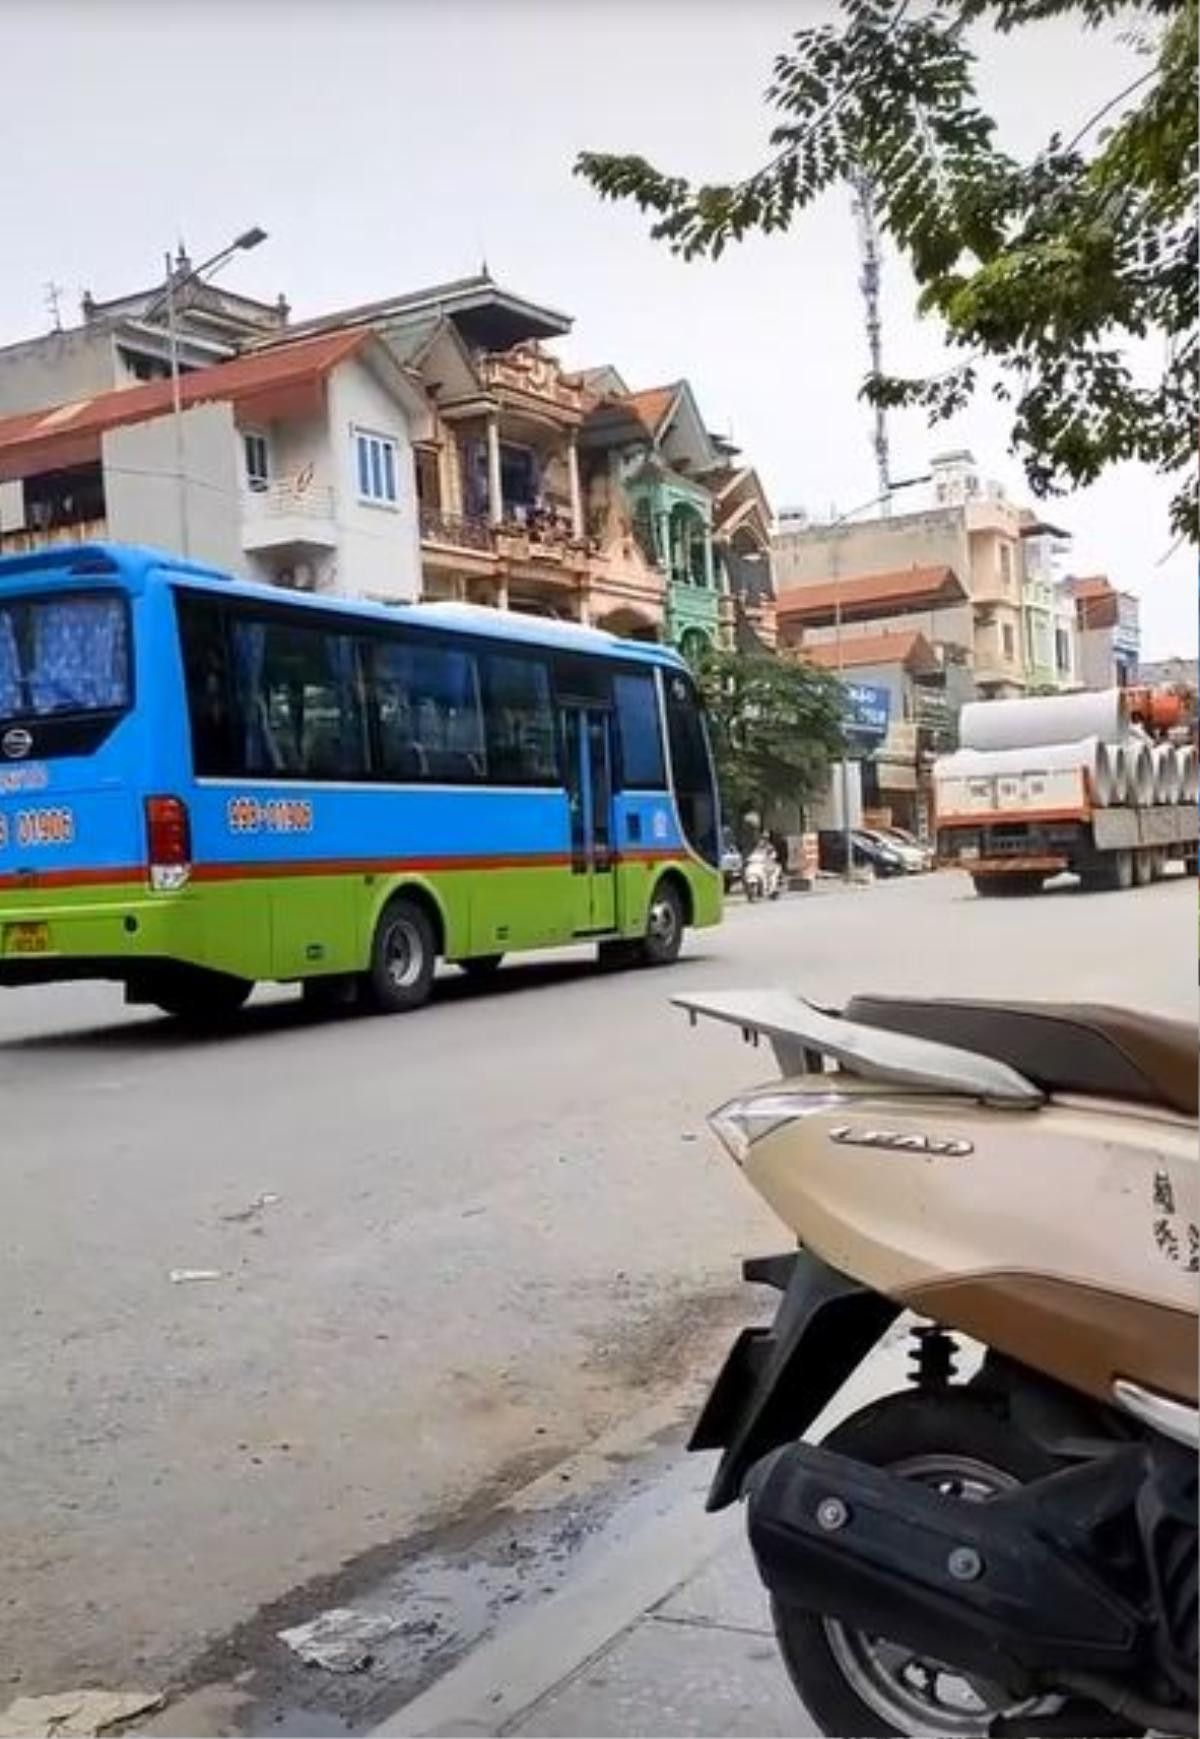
(442, 1604)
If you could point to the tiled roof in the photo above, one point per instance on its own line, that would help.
(909, 588)
(652, 405)
(1090, 586)
(910, 649)
(37, 435)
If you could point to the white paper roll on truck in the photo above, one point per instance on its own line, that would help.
(1095, 794)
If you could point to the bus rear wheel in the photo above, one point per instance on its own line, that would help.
(403, 957)
(201, 998)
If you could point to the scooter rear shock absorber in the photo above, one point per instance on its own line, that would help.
(934, 1356)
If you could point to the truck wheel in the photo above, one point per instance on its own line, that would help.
(1002, 887)
(403, 956)
(1119, 871)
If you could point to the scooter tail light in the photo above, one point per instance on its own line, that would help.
(753, 1116)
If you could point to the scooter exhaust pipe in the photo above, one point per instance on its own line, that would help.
(999, 1589)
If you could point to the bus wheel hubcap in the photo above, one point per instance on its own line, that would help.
(403, 955)
(662, 921)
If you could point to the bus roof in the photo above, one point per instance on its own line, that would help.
(138, 566)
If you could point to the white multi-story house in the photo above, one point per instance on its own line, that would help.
(292, 465)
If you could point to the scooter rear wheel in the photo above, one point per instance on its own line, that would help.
(859, 1686)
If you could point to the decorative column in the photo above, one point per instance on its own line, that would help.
(495, 497)
(578, 530)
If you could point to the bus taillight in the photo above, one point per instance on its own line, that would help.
(169, 837)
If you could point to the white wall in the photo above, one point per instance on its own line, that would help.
(379, 552)
(142, 493)
(56, 370)
(874, 546)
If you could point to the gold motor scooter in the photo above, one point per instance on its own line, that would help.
(1008, 1544)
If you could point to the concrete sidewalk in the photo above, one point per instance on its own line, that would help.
(667, 1634)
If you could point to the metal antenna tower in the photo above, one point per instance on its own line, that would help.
(868, 283)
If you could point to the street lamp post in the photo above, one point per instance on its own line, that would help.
(835, 528)
(167, 304)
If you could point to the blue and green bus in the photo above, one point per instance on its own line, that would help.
(205, 784)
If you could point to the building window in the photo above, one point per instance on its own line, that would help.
(1006, 566)
(1062, 651)
(1008, 641)
(520, 481)
(258, 460)
(375, 464)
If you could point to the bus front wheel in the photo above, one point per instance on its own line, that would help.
(403, 956)
(664, 926)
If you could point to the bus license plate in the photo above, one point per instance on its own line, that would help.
(27, 938)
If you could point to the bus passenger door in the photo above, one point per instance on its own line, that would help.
(588, 744)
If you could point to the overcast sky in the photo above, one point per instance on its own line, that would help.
(388, 144)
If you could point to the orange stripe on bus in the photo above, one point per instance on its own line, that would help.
(219, 872)
(261, 870)
(72, 878)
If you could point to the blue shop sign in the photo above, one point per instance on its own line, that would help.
(870, 707)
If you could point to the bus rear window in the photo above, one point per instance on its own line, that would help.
(63, 654)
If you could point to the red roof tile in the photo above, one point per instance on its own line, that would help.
(913, 588)
(910, 649)
(1090, 586)
(38, 436)
(652, 405)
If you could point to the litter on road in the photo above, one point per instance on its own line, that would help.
(180, 1276)
(75, 1714)
(339, 1640)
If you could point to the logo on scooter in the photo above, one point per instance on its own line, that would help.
(898, 1141)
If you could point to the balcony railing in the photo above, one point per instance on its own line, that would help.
(457, 531)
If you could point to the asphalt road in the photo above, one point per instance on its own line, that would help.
(450, 1248)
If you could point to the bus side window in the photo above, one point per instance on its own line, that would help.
(640, 733)
(209, 691)
(691, 766)
(300, 701)
(520, 721)
(430, 723)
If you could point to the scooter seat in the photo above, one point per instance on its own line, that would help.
(1090, 1048)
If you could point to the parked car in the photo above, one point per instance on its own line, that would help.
(869, 852)
(731, 860)
(908, 841)
(912, 856)
(884, 857)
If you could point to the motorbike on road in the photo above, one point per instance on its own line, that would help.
(1008, 1544)
(762, 873)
